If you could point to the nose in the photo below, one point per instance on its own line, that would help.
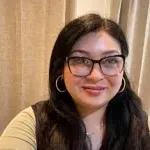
(96, 74)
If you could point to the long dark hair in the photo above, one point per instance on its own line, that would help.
(61, 126)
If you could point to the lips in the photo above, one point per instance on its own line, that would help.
(94, 90)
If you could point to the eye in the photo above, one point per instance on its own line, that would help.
(77, 59)
(86, 61)
(80, 60)
(111, 60)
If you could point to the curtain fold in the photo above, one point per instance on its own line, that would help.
(28, 29)
(144, 82)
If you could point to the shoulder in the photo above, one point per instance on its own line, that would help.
(40, 110)
(40, 106)
(20, 133)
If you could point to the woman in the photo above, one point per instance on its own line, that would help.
(91, 104)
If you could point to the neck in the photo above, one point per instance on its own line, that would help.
(93, 119)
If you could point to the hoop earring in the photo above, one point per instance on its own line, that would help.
(62, 91)
(124, 85)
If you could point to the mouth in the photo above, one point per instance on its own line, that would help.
(94, 91)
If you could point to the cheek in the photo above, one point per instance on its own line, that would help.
(71, 81)
(116, 82)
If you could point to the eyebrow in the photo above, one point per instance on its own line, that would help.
(79, 51)
(87, 53)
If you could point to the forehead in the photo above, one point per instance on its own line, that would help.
(97, 43)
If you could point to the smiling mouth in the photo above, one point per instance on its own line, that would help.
(94, 91)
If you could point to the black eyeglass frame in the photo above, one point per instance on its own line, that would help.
(94, 62)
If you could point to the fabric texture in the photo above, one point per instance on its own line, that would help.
(28, 30)
(20, 133)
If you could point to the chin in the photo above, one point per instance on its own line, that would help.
(96, 105)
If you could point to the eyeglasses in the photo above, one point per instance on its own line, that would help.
(82, 66)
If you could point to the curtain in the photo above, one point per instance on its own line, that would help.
(28, 29)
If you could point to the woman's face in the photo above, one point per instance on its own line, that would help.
(95, 90)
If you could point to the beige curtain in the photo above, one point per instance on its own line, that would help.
(28, 29)
(134, 17)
